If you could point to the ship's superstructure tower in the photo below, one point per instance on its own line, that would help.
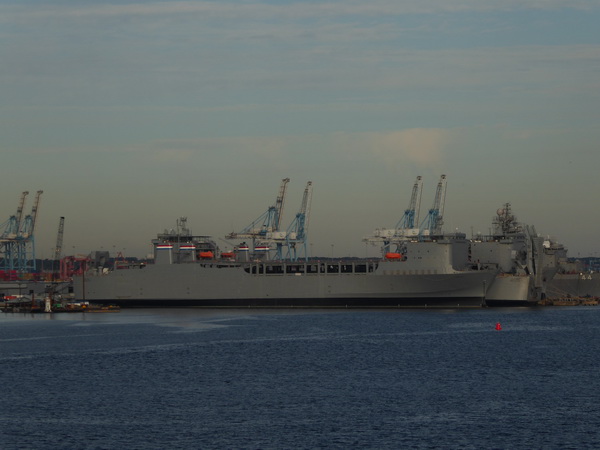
(508, 245)
(505, 222)
(17, 241)
(516, 249)
(180, 246)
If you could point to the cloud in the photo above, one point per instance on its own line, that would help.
(424, 148)
(421, 146)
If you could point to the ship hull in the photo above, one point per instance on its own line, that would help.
(218, 285)
(508, 290)
(315, 303)
(574, 285)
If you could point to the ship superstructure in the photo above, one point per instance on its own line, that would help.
(180, 246)
(519, 254)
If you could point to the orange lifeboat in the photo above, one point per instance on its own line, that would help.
(393, 256)
(207, 255)
(227, 255)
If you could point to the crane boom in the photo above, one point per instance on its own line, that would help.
(58, 248)
(432, 224)
(279, 204)
(298, 230)
(19, 216)
(411, 214)
(18, 246)
(442, 185)
(406, 228)
(34, 210)
(59, 239)
(306, 199)
(28, 226)
(268, 223)
(14, 222)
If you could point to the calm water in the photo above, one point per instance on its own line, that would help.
(301, 379)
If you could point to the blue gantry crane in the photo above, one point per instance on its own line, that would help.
(432, 225)
(408, 228)
(267, 234)
(405, 228)
(411, 214)
(297, 233)
(17, 241)
(266, 227)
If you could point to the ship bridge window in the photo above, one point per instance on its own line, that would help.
(294, 268)
(257, 269)
(277, 269)
(360, 268)
(347, 268)
(312, 268)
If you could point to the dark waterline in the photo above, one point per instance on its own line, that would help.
(301, 379)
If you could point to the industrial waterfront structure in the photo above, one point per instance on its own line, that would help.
(408, 227)
(266, 232)
(17, 241)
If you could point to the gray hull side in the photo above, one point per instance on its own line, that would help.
(192, 284)
(510, 290)
(574, 285)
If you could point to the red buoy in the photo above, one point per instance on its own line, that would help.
(498, 326)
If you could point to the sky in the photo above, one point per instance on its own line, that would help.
(129, 115)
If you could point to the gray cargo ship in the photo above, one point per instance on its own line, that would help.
(190, 270)
(420, 266)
